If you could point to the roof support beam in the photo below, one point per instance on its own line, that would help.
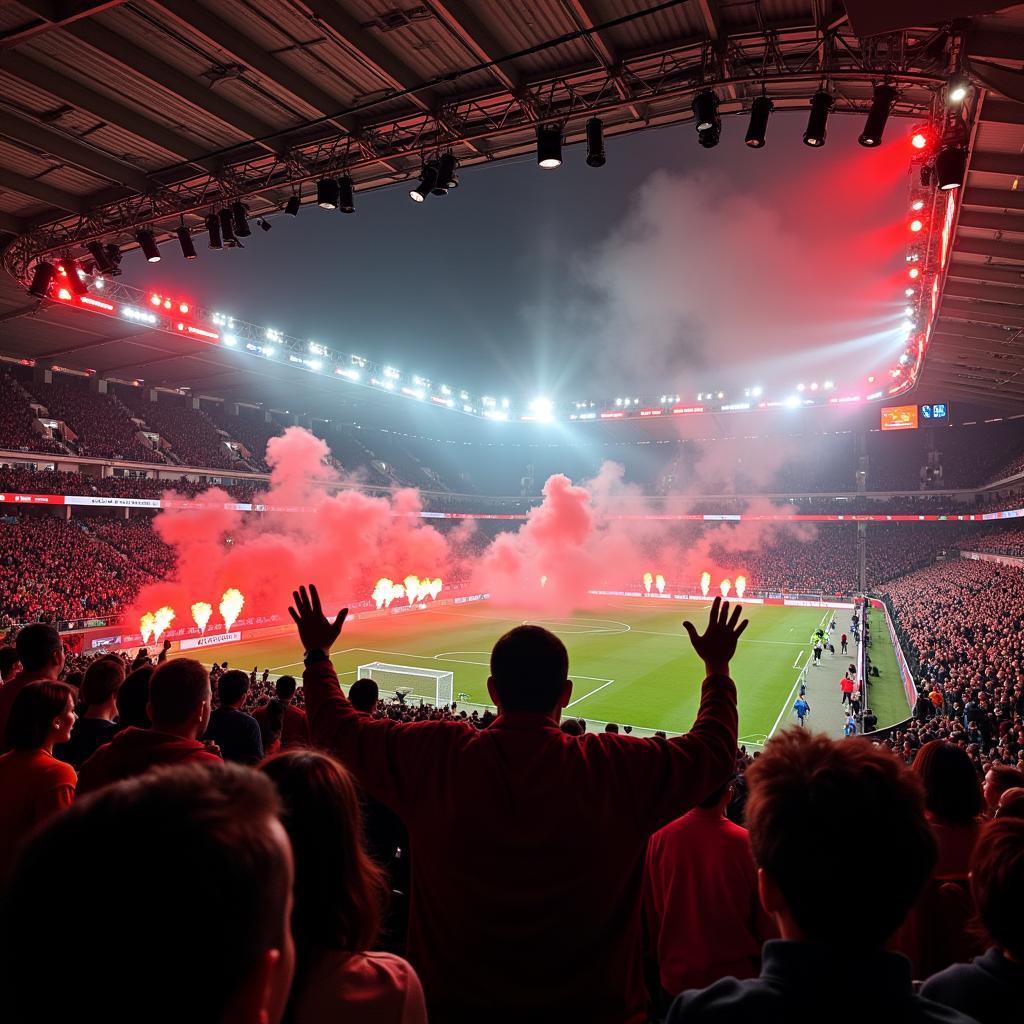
(997, 163)
(58, 16)
(135, 59)
(994, 198)
(67, 149)
(983, 312)
(105, 108)
(36, 189)
(991, 221)
(1014, 297)
(992, 335)
(463, 23)
(986, 272)
(1002, 111)
(225, 36)
(990, 247)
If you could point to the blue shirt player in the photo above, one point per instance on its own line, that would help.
(802, 709)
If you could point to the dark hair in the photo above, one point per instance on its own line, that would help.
(845, 800)
(37, 645)
(1011, 803)
(133, 698)
(952, 790)
(33, 712)
(997, 883)
(611, 727)
(201, 880)
(8, 659)
(713, 798)
(339, 890)
(271, 722)
(176, 689)
(103, 678)
(1004, 777)
(285, 687)
(529, 668)
(363, 694)
(571, 727)
(232, 686)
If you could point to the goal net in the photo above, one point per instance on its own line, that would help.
(421, 684)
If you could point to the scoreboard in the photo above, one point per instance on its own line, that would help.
(910, 417)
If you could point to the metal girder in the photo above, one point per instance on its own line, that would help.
(225, 36)
(67, 149)
(985, 357)
(602, 50)
(954, 342)
(986, 293)
(987, 272)
(994, 198)
(983, 313)
(955, 328)
(67, 350)
(990, 247)
(475, 36)
(34, 188)
(134, 58)
(1002, 111)
(975, 391)
(997, 163)
(991, 221)
(56, 16)
(104, 108)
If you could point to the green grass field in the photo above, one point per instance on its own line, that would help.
(630, 662)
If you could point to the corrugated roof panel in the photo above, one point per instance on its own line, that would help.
(651, 31)
(995, 137)
(522, 25)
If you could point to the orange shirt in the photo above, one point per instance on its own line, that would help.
(33, 786)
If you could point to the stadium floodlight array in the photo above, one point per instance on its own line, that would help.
(427, 684)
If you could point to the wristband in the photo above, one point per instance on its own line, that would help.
(315, 655)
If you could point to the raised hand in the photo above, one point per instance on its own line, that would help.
(315, 632)
(717, 644)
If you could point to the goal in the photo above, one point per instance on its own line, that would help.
(425, 684)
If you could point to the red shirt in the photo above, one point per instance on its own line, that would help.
(294, 727)
(846, 685)
(527, 847)
(133, 752)
(704, 915)
(33, 786)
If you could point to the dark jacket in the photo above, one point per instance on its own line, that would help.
(88, 735)
(990, 988)
(237, 734)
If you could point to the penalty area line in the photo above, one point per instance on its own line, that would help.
(591, 693)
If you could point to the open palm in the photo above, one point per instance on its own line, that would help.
(316, 632)
(717, 644)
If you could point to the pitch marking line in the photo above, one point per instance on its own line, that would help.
(334, 654)
(786, 706)
(573, 703)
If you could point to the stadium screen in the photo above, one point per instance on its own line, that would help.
(936, 411)
(899, 417)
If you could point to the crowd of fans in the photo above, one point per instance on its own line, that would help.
(373, 862)
(17, 422)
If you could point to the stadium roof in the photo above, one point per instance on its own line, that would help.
(121, 115)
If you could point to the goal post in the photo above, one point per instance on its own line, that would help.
(426, 684)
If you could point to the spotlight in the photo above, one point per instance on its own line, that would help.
(950, 165)
(428, 181)
(760, 110)
(909, 292)
(113, 254)
(75, 280)
(705, 110)
(188, 249)
(147, 242)
(327, 193)
(881, 105)
(709, 137)
(264, 223)
(292, 206)
(914, 273)
(42, 278)
(213, 227)
(919, 140)
(917, 205)
(957, 89)
(445, 174)
(817, 122)
(549, 145)
(346, 199)
(240, 217)
(104, 264)
(916, 225)
(595, 142)
(227, 228)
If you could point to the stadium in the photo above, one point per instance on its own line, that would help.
(512, 510)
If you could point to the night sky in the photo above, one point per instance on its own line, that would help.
(671, 268)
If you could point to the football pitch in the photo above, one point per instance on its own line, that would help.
(630, 661)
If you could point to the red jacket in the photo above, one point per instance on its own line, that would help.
(133, 752)
(527, 847)
(704, 914)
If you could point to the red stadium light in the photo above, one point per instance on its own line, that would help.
(155, 299)
(183, 307)
(64, 294)
(919, 140)
(916, 225)
(914, 273)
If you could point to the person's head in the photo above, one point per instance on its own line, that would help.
(951, 786)
(843, 800)
(42, 714)
(718, 798)
(179, 698)
(530, 671)
(611, 727)
(202, 901)
(998, 779)
(997, 884)
(133, 699)
(1011, 804)
(232, 688)
(363, 694)
(40, 649)
(338, 889)
(9, 663)
(285, 688)
(571, 727)
(103, 678)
